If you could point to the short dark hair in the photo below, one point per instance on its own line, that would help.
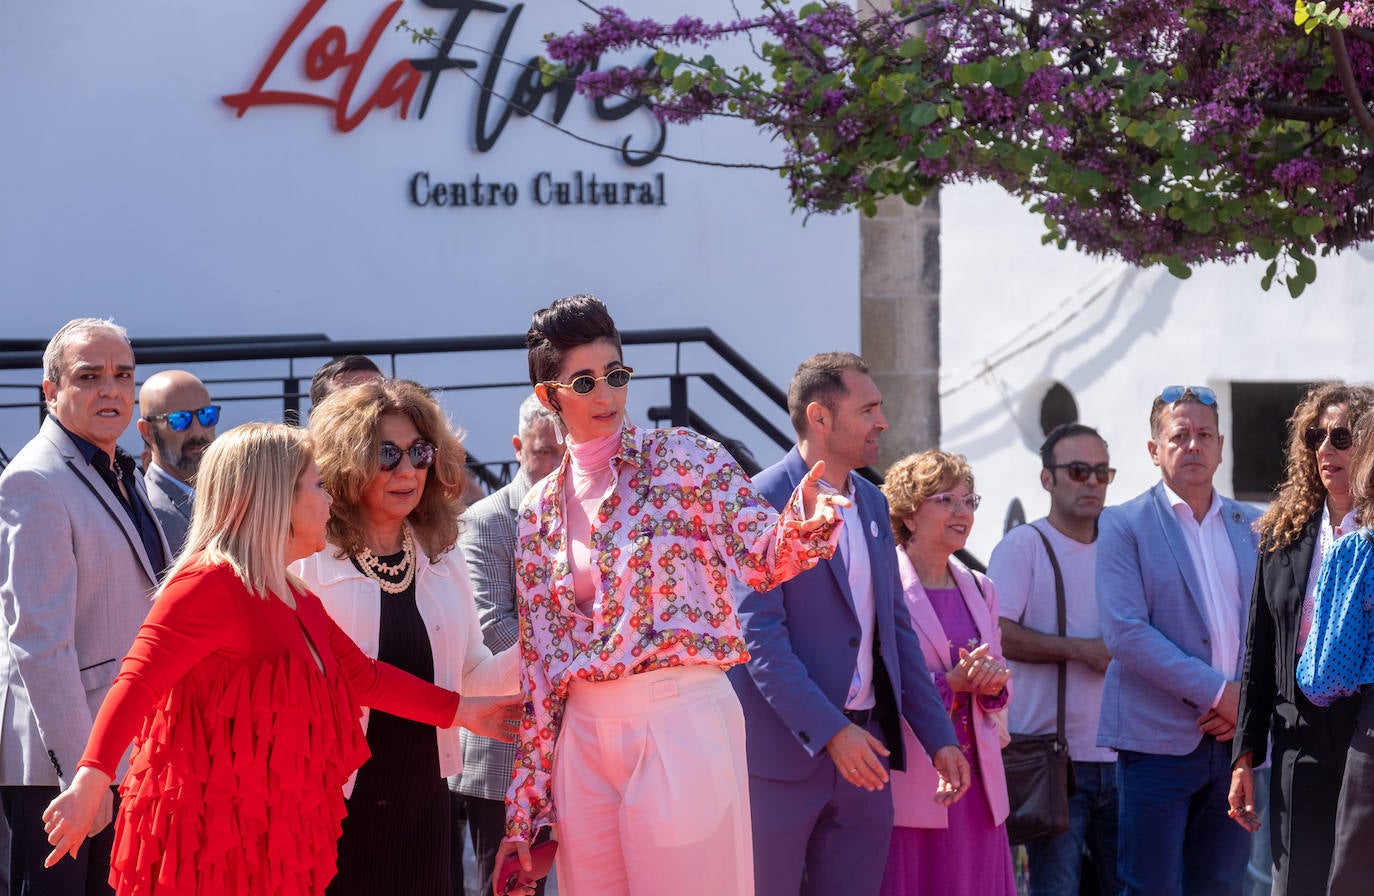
(569, 322)
(1060, 433)
(820, 378)
(322, 383)
(1188, 397)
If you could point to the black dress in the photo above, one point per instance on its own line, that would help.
(396, 836)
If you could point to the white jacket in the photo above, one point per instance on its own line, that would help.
(443, 594)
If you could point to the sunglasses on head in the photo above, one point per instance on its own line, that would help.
(1078, 471)
(1341, 437)
(949, 501)
(616, 379)
(180, 421)
(420, 452)
(1171, 394)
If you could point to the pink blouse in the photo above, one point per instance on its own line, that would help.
(681, 520)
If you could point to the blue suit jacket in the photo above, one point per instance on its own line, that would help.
(803, 642)
(1150, 599)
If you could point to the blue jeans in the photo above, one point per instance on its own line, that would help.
(1055, 861)
(1175, 836)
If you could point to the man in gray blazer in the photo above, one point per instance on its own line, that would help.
(80, 554)
(1175, 567)
(177, 421)
(488, 540)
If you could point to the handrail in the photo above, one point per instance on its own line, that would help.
(24, 354)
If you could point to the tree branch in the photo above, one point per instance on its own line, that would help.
(1352, 90)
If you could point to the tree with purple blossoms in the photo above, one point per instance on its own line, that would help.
(1172, 133)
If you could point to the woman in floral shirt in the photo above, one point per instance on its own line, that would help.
(626, 627)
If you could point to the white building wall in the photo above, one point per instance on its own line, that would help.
(129, 189)
(1017, 316)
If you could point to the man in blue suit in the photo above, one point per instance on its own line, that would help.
(1175, 567)
(834, 664)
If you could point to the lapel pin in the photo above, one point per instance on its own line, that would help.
(1235, 516)
(873, 528)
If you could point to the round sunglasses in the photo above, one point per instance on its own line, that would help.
(616, 379)
(949, 501)
(1341, 437)
(420, 452)
(180, 421)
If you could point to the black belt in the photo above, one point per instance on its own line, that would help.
(861, 717)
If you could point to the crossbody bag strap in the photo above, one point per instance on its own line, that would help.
(1061, 616)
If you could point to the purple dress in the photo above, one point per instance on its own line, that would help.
(971, 857)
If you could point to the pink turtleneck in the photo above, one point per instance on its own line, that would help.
(588, 483)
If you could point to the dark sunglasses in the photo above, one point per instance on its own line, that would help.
(616, 379)
(1171, 394)
(420, 452)
(1341, 437)
(1079, 471)
(180, 421)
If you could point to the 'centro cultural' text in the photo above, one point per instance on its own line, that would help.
(579, 189)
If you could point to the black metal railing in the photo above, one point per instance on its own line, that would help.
(238, 369)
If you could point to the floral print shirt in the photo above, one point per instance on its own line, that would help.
(681, 519)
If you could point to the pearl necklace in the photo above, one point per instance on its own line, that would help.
(383, 573)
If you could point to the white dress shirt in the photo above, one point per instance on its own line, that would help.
(1215, 562)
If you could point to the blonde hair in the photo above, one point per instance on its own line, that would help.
(242, 515)
(918, 476)
(345, 432)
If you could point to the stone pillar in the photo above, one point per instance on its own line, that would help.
(899, 320)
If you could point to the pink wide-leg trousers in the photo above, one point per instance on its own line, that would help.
(652, 788)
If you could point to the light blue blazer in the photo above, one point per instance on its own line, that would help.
(1151, 604)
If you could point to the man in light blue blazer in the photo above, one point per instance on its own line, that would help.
(834, 664)
(1175, 567)
(80, 555)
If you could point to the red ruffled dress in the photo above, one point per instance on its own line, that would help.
(241, 745)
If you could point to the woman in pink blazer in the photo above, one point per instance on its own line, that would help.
(960, 850)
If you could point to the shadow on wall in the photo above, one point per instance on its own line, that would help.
(1140, 305)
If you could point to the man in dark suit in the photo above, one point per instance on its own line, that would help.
(80, 553)
(488, 542)
(177, 421)
(1175, 567)
(834, 664)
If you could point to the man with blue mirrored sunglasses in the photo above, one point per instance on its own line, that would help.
(178, 424)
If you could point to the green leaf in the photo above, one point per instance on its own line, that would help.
(920, 115)
(1295, 286)
(936, 149)
(1307, 225)
(912, 48)
(1268, 279)
(1177, 267)
(1307, 269)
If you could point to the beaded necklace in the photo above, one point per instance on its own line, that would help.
(392, 577)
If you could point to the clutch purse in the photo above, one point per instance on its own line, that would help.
(541, 863)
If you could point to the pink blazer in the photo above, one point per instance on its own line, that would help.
(913, 790)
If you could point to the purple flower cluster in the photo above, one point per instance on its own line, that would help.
(1153, 131)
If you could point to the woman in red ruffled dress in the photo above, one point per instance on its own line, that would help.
(242, 698)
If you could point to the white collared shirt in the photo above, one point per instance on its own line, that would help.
(1327, 537)
(853, 550)
(1215, 563)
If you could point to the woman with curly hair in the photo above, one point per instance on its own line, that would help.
(961, 849)
(391, 579)
(1314, 507)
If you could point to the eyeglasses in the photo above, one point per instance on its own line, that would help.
(180, 421)
(616, 379)
(420, 452)
(950, 501)
(1341, 437)
(1171, 394)
(1079, 471)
